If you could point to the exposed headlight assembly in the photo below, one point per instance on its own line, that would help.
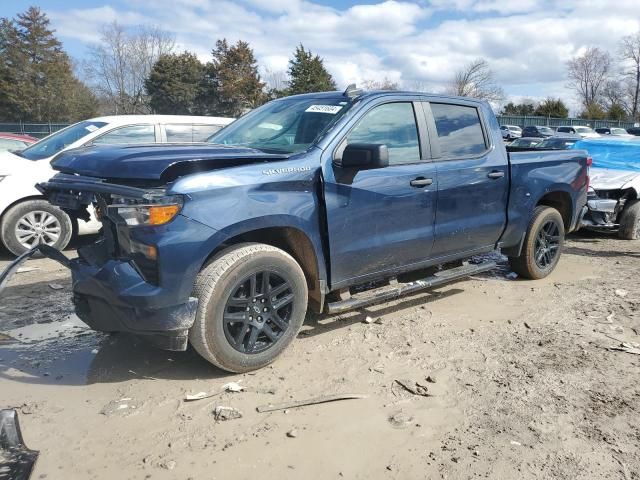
(156, 213)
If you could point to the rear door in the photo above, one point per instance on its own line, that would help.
(382, 219)
(473, 179)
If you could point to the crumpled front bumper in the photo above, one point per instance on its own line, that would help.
(112, 296)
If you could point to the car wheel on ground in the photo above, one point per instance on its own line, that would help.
(35, 222)
(252, 301)
(542, 244)
(630, 221)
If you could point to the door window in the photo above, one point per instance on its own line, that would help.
(129, 134)
(179, 133)
(391, 124)
(202, 132)
(459, 130)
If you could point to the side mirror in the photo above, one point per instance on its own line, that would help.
(364, 156)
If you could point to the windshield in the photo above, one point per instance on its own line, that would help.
(49, 146)
(557, 143)
(289, 125)
(545, 130)
(618, 131)
(515, 129)
(583, 130)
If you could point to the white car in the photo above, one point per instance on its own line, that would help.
(27, 219)
(510, 132)
(584, 132)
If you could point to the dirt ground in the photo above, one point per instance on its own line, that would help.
(519, 379)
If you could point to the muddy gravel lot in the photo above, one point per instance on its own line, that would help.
(491, 377)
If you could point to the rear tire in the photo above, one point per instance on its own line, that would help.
(35, 221)
(542, 244)
(243, 321)
(630, 221)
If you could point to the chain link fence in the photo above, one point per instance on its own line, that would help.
(40, 130)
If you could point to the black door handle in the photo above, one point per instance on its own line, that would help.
(421, 182)
(495, 174)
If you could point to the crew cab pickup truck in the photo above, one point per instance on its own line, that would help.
(225, 246)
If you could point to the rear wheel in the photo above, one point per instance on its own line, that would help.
(542, 244)
(252, 303)
(630, 221)
(35, 222)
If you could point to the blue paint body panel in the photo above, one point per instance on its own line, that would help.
(361, 225)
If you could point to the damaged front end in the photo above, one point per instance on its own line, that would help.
(118, 284)
(604, 208)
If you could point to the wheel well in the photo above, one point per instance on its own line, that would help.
(296, 244)
(561, 201)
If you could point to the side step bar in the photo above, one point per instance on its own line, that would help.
(384, 294)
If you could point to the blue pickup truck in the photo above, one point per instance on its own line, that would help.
(297, 205)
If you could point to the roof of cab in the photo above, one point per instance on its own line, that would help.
(128, 119)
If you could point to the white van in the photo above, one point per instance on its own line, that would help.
(27, 219)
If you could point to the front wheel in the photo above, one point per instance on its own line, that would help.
(542, 244)
(252, 301)
(35, 222)
(630, 221)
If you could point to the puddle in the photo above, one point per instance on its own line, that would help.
(52, 352)
(67, 352)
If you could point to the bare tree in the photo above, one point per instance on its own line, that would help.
(630, 53)
(588, 75)
(476, 80)
(277, 80)
(384, 84)
(121, 62)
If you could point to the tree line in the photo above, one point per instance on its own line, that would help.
(139, 70)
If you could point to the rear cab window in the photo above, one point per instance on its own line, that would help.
(459, 130)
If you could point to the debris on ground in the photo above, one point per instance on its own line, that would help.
(292, 433)
(27, 269)
(430, 379)
(311, 401)
(56, 286)
(368, 320)
(511, 276)
(400, 420)
(621, 293)
(170, 465)
(232, 387)
(222, 414)
(414, 387)
(124, 406)
(633, 348)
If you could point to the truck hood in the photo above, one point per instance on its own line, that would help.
(155, 161)
(609, 179)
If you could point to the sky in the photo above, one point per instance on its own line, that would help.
(419, 44)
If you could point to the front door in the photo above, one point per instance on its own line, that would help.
(382, 219)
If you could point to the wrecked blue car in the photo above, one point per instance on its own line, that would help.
(226, 245)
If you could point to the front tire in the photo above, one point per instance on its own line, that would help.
(630, 221)
(35, 222)
(252, 301)
(542, 244)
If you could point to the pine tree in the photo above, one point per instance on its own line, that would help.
(36, 79)
(308, 74)
(552, 107)
(174, 83)
(232, 84)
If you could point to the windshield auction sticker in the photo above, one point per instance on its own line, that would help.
(331, 109)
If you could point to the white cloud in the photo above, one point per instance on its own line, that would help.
(527, 42)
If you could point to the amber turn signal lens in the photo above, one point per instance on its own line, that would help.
(161, 214)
